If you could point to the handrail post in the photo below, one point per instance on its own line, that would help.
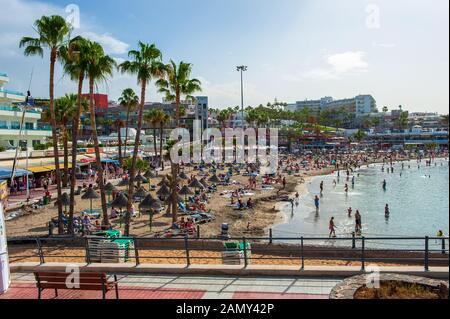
(40, 251)
(270, 236)
(136, 252)
(443, 246)
(427, 254)
(88, 254)
(186, 247)
(244, 240)
(198, 231)
(363, 254)
(303, 253)
(353, 240)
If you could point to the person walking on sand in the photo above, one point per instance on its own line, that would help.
(332, 228)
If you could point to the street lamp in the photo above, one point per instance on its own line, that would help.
(242, 69)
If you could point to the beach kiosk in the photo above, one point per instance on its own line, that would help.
(4, 260)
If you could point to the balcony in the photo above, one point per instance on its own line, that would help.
(11, 95)
(13, 131)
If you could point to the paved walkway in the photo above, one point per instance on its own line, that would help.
(188, 287)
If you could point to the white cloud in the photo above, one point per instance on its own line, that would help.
(348, 62)
(337, 66)
(110, 44)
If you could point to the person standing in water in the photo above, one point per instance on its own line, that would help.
(317, 203)
(332, 228)
(321, 188)
(384, 184)
(358, 222)
(346, 189)
(350, 211)
(387, 212)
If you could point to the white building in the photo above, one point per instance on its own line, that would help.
(360, 105)
(11, 119)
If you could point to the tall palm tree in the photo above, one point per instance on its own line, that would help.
(74, 57)
(100, 67)
(146, 64)
(151, 117)
(163, 119)
(119, 124)
(52, 34)
(130, 101)
(176, 83)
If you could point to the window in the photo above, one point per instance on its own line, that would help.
(15, 125)
(29, 126)
(3, 124)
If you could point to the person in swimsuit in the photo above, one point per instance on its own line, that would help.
(358, 222)
(350, 211)
(387, 212)
(332, 228)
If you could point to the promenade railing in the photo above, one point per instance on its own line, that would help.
(303, 251)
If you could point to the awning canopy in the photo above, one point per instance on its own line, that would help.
(5, 173)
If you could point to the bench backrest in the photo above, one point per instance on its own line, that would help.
(59, 280)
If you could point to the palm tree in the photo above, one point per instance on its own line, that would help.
(53, 32)
(119, 124)
(146, 64)
(151, 117)
(99, 68)
(164, 119)
(74, 57)
(176, 83)
(130, 101)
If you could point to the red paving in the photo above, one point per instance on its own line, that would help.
(29, 291)
(268, 295)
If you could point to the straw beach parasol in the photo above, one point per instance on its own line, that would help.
(90, 194)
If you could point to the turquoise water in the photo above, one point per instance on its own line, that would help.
(419, 204)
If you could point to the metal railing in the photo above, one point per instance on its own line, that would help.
(184, 250)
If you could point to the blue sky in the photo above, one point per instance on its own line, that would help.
(396, 50)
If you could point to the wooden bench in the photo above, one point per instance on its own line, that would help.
(87, 281)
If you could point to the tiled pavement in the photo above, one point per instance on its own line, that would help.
(188, 287)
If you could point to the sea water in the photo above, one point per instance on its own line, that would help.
(418, 197)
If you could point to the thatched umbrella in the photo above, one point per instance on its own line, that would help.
(183, 175)
(214, 179)
(141, 193)
(164, 191)
(65, 201)
(124, 182)
(90, 194)
(204, 183)
(185, 191)
(196, 184)
(163, 181)
(149, 174)
(109, 189)
(140, 179)
(151, 205)
(120, 202)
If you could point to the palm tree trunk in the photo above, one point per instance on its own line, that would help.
(97, 154)
(75, 126)
(119, 135)
(126, 131)
(66, 157)
(161, 157)
(53, 55)
(133, 163)
(154, 141)
(175, 168)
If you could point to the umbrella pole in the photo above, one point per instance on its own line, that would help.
(120, 220)
(151, 220)
(91, 206)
